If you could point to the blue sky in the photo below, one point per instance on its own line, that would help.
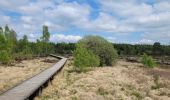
(119, 21)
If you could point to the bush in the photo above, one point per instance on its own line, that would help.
(22, 56)
(101, 48)
(148, 61)
(84, 58)
(4, 57)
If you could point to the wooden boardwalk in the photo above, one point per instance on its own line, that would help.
(27, 89)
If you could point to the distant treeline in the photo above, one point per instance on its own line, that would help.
(123, 49)
(139, 49)
(13, 49)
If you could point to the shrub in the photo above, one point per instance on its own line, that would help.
(148, 61)
(4, 57)
(22, 56)
(84, 58)
(101, 48)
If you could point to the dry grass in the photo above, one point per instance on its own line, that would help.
(124, 81)
(12, 75)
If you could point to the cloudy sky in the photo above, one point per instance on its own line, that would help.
(120, 21)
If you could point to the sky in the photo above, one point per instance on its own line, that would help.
(118, 21)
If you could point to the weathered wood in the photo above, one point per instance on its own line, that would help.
(28, 88)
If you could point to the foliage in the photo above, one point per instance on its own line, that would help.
(101, 48)
(45, 38)
(148, 61)
(65, 48)
(13, 49)
(46, 34)
(138, 49)
(84, 58)
(157, 48)
(22, 56)
(23, 48)
(128, 49)
(4, 57)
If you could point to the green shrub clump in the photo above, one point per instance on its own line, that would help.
(148, 61)
(101, 48)
(94, 51)
(4, 57)
(22, 56)
(84, 58)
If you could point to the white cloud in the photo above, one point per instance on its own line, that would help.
(64, 38)
(111, 39)
(53, 38)
(114, 16)
(151, 20)
(145, 41)
(126, 9)
(5, 20)
(162, 6)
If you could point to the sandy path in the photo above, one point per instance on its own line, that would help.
(124, 81)
(12, 75)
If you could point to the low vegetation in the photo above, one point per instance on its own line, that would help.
(84, 58)
(4, 57)
(101, 48)
(148, 61)
(124, 81)
(94, 51)
(11, 76)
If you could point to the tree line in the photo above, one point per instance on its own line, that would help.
(157, 49)
(139, 49)
(12, 49)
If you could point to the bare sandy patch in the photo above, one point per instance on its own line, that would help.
(12, 75)
(124, 81)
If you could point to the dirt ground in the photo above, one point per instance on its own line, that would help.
(12, 75)
(124, 81)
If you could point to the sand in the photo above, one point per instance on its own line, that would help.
(13, 75)
(124, 81)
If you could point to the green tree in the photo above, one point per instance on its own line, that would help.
(10, 39)
(45, 38)
(156, 48)
(101, 48)
(23, 49)
(7, 32)
(13, 36)
(2, 40)
(39, 48)
(4, 57)
(84, 58)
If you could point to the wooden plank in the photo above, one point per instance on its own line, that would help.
(28, 87)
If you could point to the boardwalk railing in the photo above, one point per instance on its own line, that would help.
(29, 88)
